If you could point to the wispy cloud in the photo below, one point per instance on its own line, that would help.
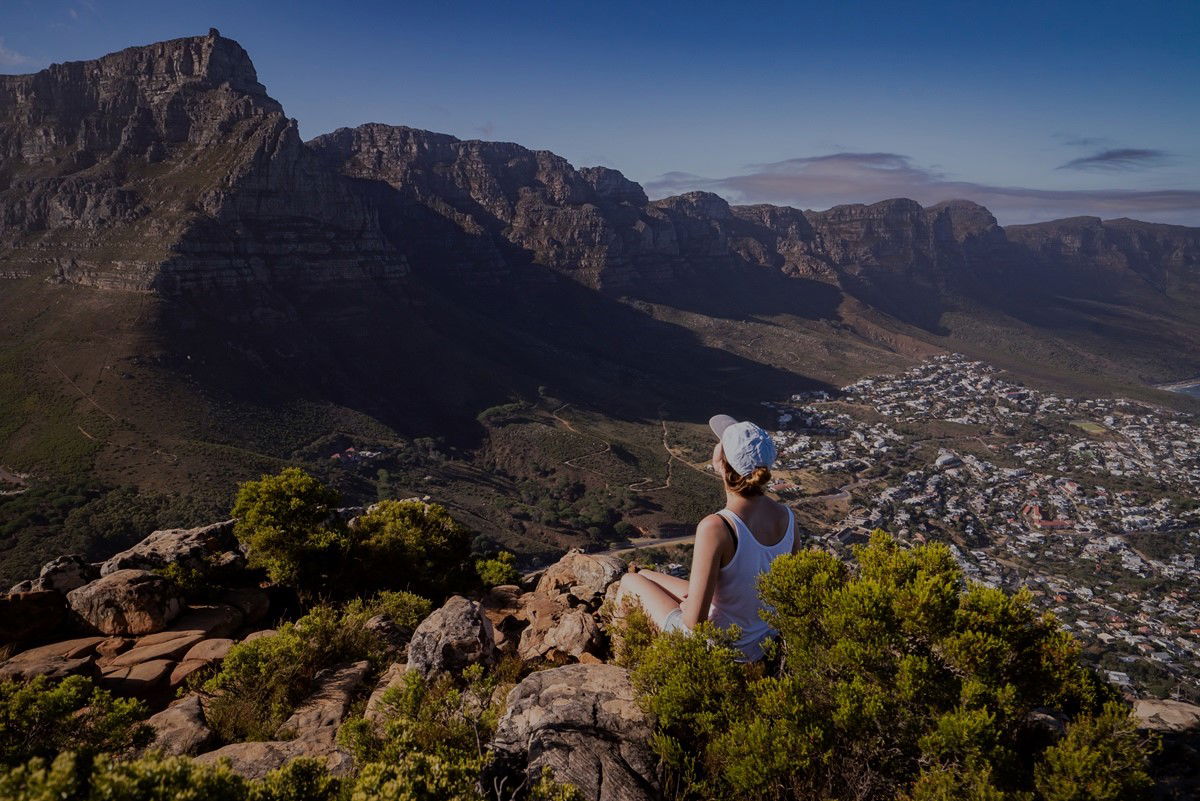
(486, 130)
(1075, 140)
(11, 58)
(840, 178)
(1122, 158)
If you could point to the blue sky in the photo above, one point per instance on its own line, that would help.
(1037, 110)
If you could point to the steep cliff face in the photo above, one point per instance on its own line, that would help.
(1166, 256)
(168, 167)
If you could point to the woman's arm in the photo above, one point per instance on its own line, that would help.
(712, 543)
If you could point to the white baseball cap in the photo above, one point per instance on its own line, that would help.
(746, 445)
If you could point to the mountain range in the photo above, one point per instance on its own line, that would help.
(189, 291)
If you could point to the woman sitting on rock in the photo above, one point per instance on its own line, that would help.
(733, 546)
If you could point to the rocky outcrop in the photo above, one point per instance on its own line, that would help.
(454, 636)
(61, 574)
(127, 602)
(181, 729)
(52, 661)
(30, 615)
(328, 706)
(257, 759)
(580, 575)
(584, 724)
(190, 548)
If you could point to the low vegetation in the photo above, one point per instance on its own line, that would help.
(898, 680)
(290, 526)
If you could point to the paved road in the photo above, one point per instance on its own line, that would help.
(641, 544)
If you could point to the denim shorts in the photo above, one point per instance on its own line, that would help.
(674, 622)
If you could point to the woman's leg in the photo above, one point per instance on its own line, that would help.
(677, 588)
(657, 602)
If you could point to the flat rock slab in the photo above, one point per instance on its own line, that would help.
(392, 677)
(1164, 715)
(180, 729)
(255, 760)
(142, 681)
(172, 649)
(54, 661)
(210, 650)
(328, 706)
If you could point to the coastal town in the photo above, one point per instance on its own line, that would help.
(1090, 505)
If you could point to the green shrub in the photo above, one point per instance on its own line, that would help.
(898, 680)
(152, 778)
(405, 609)
(261, 682)
(287, 524)
(631, 630)
(498, 570)
(40, 718)
(408, 543)
(302, 779)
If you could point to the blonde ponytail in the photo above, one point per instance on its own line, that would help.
(748, 485)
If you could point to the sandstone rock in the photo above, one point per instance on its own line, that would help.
(451, 638)
(254, 635)
(143, 680)
(253, 602)
(583, 722)
(388, 633)
(392, 677)
(208, 620)
(180, 729)
(30, 615)
(1166, 715)
(210, 650)
(126, 602)
(66, 573)
(187, 547)
(110, 648)
(255, 760)
(172, 649)
(585, 576)
(53, 661)
(329, 705)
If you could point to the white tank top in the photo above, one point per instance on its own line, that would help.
(736, 600)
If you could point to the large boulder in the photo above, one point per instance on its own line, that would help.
(255, 760)
(127, 602)
(180, 729)
(188, 547)
(30, 615)
(584, 724)
(54, 661)
(582, 575)
(451, 638)
(66, 573)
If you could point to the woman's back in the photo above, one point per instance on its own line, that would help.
(736, 600)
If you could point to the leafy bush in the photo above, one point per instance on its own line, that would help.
(405, 609)
(289, 526)
(500, 569)
(409, 543)
(261, 681)
(40, 718)
(287, 523)
(898, 679)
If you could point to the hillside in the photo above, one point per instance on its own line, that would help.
(191, 295)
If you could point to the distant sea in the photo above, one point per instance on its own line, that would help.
(1192, 389)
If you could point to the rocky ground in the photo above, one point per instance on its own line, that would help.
(130, 628)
